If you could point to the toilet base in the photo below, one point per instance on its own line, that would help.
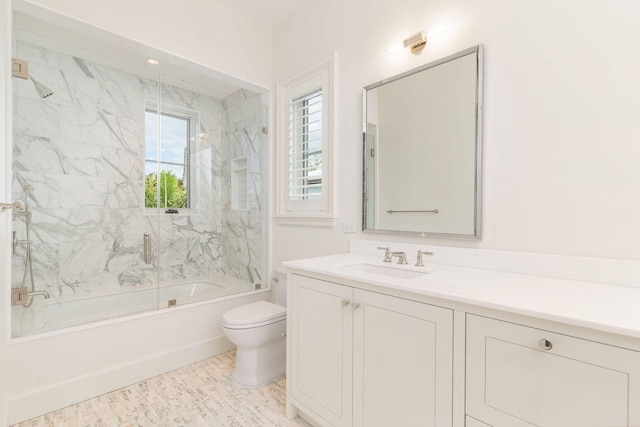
(258, 366)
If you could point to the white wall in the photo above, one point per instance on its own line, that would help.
(562, 101)
(209, 32)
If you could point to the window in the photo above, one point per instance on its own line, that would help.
(175, 162)
(305, 147)
(305, 102)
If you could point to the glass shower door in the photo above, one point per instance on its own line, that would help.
(211, 216)
(81, 244)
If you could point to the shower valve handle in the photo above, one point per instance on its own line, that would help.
(17, 205)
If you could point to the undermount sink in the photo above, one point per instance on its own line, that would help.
(396, 273)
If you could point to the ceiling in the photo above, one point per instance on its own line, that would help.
(272, 12)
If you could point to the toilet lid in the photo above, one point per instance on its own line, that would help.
(256, 312)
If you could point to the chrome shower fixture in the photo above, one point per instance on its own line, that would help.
(20, 69)
(42, 90)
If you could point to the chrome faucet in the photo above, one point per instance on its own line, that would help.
(402, 257)
(43, 293)
(419, 260)
(21, 296)
(387, 253)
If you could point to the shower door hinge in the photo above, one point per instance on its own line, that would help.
(373, 152)
(19, 68)
(265, 130)
(19, 296)
(257, 286)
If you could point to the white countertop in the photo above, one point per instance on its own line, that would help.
(608, 308)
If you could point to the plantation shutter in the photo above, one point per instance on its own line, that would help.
(305, 112)
(305, 147)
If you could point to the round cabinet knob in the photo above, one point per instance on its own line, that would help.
(345, 302)
(545, 344)
(355, 305)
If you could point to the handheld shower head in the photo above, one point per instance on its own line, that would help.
(42, 90)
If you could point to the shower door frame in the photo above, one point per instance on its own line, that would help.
(6, 124)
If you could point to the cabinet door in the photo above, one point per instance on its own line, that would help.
(321, 348)
(402, 365)
(472, 422)
(514, 379)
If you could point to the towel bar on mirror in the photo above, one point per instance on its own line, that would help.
(391, 211)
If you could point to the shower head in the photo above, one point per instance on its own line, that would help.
(20, 69)
(42, 90)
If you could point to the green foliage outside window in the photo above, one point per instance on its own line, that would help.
(173, 193)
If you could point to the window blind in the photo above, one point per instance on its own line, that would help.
(304, 153)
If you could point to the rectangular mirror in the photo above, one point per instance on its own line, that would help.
(422, 150)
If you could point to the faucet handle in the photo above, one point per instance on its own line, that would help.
(387, 253)
(419, 260)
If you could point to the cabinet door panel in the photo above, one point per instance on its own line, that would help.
(321, 348)
(402, 362)
(513, 381)
(472, 422)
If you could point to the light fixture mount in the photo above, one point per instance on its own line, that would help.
(416, 42)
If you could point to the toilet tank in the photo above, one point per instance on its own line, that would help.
(280, 287)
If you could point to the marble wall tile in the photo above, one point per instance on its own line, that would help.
(35, 117)
(242, 236)
(82, 150)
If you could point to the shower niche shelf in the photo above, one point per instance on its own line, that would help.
(239, 184)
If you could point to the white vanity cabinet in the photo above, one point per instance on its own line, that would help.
(402, 362)
(320, 348)
(519, 376)
(379, 344)
(363, 358)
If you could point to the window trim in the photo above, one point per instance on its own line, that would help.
(193, 188)
(308, 212)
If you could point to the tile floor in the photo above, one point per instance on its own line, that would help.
(202, 394)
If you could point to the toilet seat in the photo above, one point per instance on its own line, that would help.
(253, 315)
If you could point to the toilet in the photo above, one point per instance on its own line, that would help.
(259, 331)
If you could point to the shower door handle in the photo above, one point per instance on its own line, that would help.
(147, 248)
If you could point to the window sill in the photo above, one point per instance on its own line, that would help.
(296, 220)
(162, 211)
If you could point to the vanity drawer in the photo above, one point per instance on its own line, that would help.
(522, 376)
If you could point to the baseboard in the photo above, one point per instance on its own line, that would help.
(26, 405)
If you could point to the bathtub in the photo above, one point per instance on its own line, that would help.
(67, 351)
(62, 312)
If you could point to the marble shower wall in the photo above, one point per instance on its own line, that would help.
(82, 150)
(244, 135)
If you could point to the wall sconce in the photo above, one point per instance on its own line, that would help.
(416, 42)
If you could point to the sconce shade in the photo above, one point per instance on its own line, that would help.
(416, 42)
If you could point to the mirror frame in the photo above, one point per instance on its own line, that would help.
(478, 50)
